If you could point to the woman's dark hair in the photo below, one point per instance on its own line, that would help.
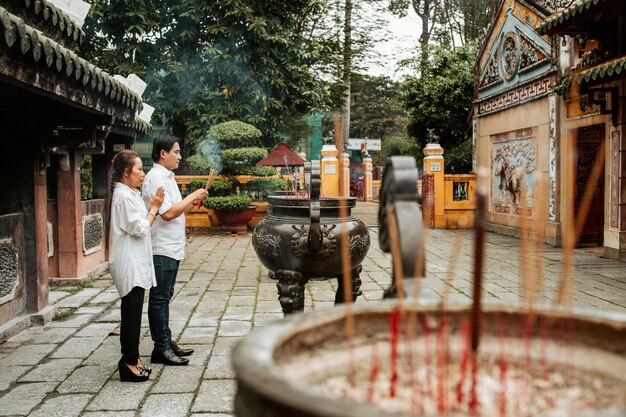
(163, 142)
(123, 161)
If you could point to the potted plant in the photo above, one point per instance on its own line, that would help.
(233, 211)
(235, 162)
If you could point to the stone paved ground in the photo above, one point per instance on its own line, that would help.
(68, 367)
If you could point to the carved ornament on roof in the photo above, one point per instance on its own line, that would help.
(554, 5)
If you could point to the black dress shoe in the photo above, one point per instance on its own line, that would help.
(180, 351)
(167, 357)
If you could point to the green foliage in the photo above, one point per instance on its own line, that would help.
(218, 188)
(256, 171)
(228, 203)
(458, 160)
(243, 156)
(236, 134)
(376, 108)
(439, 103)
(196, 184)
(208, 62)
(200, 164)
(86, 178)
(399, 146)
(265, 185)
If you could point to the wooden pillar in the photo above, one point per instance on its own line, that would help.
(433, 164)
(69, 221)
(41, 231)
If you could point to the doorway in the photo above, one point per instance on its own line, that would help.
(588, 144)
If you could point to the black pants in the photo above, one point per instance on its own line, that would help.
(130, 328)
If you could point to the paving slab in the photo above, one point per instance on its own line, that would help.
(118, 396)
(63, 406)
(52, 370)
(215, 396)
(87, 379)
(20, 400)
(179, 379)
(167, 405)
(29, 354)
(10, 374)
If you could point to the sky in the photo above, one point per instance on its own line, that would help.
(402, 43)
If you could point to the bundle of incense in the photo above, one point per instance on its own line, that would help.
(210, 179)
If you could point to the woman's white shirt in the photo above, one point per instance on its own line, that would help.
(130, 260)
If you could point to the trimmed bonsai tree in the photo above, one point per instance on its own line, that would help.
(233, 148)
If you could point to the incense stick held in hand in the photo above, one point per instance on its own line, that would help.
(210, 179)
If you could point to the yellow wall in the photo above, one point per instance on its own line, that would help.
(535, 116)
(460, 214)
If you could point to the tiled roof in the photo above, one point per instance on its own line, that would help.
(554, 21)
(50, 19)
(281, 156)
(600, 72)
(51, 56)
(136, 128)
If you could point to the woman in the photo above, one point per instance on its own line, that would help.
(130, 261)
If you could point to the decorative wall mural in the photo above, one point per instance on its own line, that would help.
(513, 185)
(510, 55)
(516, 54)
(530, 53)
(8, 270)
(93, 228)
(492, 75)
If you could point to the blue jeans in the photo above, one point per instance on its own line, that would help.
(165, 269)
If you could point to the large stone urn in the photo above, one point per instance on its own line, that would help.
(301, 366)
(300, 239)
(406, 357)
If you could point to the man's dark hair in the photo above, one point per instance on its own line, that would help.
(163, 142)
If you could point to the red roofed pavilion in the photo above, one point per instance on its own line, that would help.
(281, 155)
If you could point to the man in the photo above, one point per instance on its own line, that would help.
(168, 245)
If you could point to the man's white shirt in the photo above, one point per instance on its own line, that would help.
(168, 238)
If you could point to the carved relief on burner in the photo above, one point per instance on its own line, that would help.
(300, 241)
(359, 245)
(266, 244)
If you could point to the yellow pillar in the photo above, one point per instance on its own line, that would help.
(330, 171)
(344, 184)
(433, 164)
(368, 194)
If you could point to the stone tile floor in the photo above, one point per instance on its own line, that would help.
(68, 367)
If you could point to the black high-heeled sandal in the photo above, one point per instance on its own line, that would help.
(127, 374)
(142, 367)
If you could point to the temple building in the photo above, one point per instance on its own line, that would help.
(57, 111)
(549, 121)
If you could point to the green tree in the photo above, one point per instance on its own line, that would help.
(398, 145)
(439, 103)
(350, 31)
(377, 108)
(207, 62)
(425, 10)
